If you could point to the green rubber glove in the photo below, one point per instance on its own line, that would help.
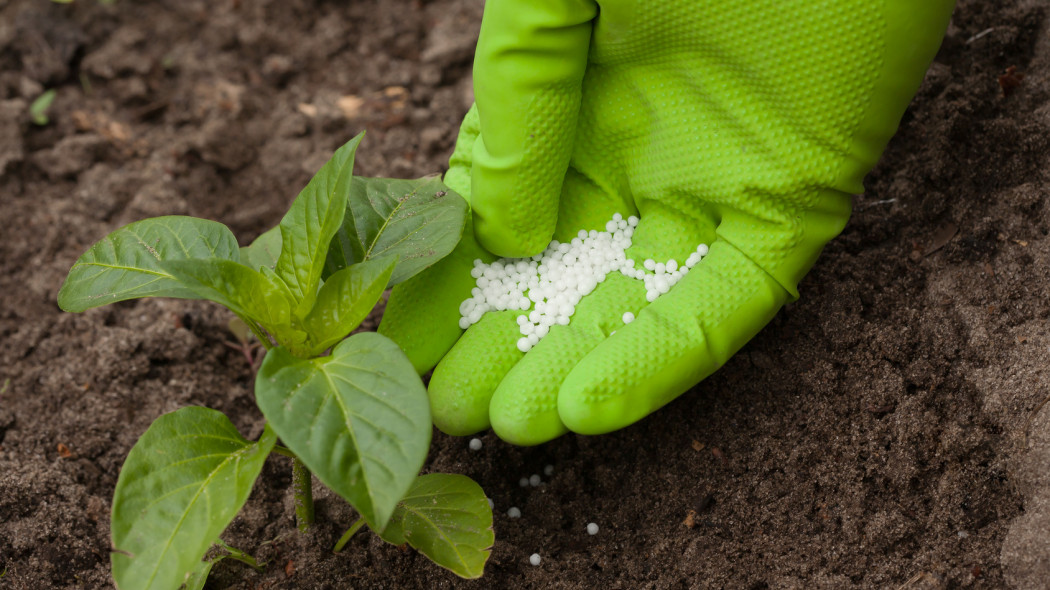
(743, 124)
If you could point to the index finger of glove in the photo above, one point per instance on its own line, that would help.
(528, 72)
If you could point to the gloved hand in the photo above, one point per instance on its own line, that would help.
(743, 124)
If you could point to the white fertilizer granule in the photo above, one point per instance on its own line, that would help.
(535, 559)
(548, 286)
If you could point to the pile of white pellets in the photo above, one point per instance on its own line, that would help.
(548, 286)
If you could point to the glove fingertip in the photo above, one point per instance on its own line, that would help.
(455, 419)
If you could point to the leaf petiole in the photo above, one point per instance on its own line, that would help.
(241, 556)
(284, 451)
(346, 536)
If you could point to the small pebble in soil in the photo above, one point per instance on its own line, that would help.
(475, 444)
(534, 480)
(535, 559)
(592, 529)
(514, 512)
(548, 470)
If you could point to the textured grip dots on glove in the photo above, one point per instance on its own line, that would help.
(750, 107)
(673, 344)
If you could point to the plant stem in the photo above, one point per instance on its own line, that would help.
(302, 487)
(349, 533)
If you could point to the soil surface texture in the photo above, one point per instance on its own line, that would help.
(888, 430)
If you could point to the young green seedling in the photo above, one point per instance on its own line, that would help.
(349, 409)
(40, 105)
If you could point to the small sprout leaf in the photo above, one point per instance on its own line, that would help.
(38, 108)
(447, 518)
(308, 227)
(128, 263)
(419, 221)
(358, 419)
(181, 485)
(345, 300)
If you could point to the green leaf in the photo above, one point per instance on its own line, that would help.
(264, 251)
(359, 419)
(308, 227)
(448, 519)
(38, 108)
(345, 300)
(127, 264)
(270, 274)
(248, 293)
(181, 485)
(419, 221)
(199, 576)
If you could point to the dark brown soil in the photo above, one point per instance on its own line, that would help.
(883, 432)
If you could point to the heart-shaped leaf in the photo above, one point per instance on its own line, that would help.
(344, 300)
(128, 263)
(359, 419)
(448, 519)
(181, 485)
(312, 220)
(419, 221)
